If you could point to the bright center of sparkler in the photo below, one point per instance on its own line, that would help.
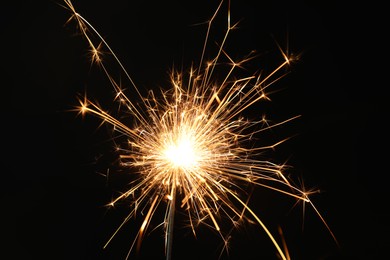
(182, 153)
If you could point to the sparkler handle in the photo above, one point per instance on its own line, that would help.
(169, 233)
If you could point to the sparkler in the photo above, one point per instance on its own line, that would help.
(189, 144)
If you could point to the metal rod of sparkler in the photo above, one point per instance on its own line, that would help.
(171, 219)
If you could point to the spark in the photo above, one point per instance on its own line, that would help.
(189, 144)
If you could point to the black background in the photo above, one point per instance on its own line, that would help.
(52, 195)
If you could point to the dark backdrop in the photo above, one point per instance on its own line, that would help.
(53, 192)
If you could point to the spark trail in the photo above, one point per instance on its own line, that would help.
(187, 147)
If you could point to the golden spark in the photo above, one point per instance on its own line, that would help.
(189, 144)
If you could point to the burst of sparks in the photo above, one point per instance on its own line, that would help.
(188, 144)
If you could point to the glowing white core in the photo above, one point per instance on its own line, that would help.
(181, 154)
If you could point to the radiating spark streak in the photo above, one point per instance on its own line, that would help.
(188, 144)
(208, 34)
(284, 243)
(323, 221)
(263, 226)
(148, 216)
